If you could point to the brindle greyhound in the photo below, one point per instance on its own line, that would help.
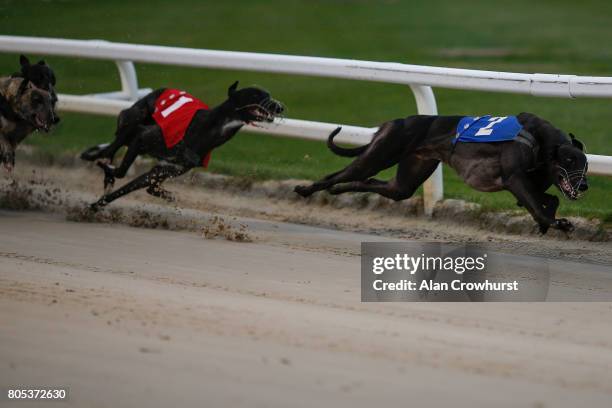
(27, 103)
(527, 166)
(208, 129)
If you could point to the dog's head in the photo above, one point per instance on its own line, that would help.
(254, 104)
(569, 166)
(41, 76)
(34, 105)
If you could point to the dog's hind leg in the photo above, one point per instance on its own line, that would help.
(368, 185)
(411, 173)
(380, 155)
(152, 178)
(350, 173)
(129, 123)
(146, 140)
(388, 146)
(155, 188)
(110, 173)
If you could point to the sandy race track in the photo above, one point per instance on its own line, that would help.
(129, 316)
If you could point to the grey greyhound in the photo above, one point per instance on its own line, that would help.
(537, 157)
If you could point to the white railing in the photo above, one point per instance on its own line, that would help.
(419, 78)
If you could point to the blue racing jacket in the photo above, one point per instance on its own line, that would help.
(487, 129)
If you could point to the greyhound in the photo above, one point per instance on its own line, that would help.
(27, 104)
(179, 130)
(536, 156)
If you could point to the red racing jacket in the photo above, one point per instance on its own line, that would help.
(174, 110)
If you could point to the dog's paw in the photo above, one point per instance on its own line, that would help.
(109, 183)
(93, 153)
(543, 228)
(304, 191)
(97, 206)
(90, 154)
(109, 177)
(564, 225)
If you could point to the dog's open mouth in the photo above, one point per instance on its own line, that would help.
(261, 114)
(264, 111)
(566, 188)
(570, 186)
(40, 124)
(571, 183)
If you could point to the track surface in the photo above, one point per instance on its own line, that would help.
(136, 317)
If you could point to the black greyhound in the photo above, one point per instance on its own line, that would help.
(139, 128)
(540, 156)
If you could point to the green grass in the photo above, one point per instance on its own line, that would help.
(522, 36)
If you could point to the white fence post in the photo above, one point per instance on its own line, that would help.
(433, 188)
(129, 80)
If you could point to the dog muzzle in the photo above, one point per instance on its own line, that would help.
(573, 183)
(264, 111)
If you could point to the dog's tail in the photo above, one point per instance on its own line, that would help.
(343, 151)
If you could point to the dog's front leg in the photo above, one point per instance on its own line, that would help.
(541, 208)
(7, 154)
(551, 203)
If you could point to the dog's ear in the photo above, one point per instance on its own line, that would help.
(577, 143)
(232, 88)
(24, 61)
